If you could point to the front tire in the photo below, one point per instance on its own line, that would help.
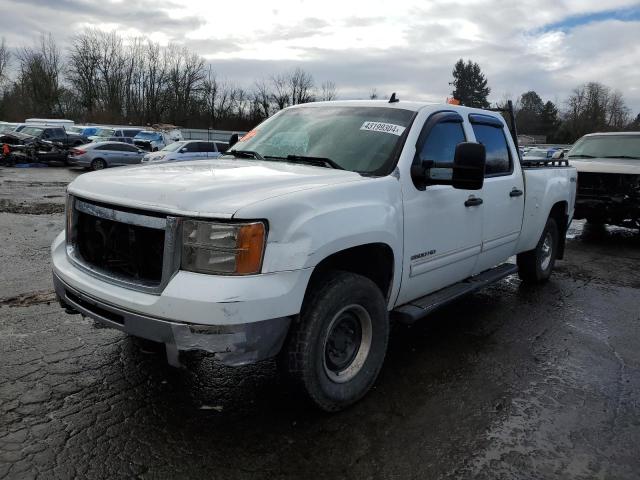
(337, 348)
(535, 266)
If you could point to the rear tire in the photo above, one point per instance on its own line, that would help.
(336, 350)
(535, 266)
(98, 164)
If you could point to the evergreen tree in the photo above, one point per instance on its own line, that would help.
(470, 85)
(549, 121)
(529, 114)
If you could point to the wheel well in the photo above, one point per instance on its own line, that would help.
(373, 260)
(559, 214)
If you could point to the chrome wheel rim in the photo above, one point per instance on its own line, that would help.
(347, 343)
(546, 251)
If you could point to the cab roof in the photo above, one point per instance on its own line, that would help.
(402, 104)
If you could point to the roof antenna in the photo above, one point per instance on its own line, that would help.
(393, 98)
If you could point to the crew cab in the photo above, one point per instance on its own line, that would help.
(307, 236)
(608, 167)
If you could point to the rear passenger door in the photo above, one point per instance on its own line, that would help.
(208, 149)
(502, 193)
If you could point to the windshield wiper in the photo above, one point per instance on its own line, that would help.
(623, 156)
(244, 154)
(581, 156)
(315, 161)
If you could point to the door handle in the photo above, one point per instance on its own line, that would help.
(473, 202)
(515, 193)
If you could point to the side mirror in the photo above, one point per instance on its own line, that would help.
(465, 173)
(468, 166)
(183, 149)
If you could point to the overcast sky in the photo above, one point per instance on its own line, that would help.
(405, 46)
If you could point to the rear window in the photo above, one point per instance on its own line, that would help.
(495, 143)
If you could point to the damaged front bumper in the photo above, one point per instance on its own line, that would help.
(233, 345)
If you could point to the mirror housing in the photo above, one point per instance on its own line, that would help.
(467, 169)
(468, 166)
(183, 149)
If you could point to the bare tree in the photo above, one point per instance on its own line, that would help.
(5, 56)
(280, 95)
(185, 73)
(262, 98)
(39, 77)
(328, 91)
(83, 70)
(594, 107)
(373, 94)
(301, 87)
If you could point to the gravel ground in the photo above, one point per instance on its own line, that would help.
(512, 382)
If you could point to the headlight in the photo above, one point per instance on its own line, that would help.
(219, 248)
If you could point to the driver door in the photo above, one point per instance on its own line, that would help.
(442, 228)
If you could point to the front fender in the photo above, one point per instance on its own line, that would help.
(308, 226)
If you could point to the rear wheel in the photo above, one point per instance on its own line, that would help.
(98, 164)
(535, 266)
(337, 349)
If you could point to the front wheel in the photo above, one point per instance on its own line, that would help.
(337, 348)
(535, 266)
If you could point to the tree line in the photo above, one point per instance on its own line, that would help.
(102, 78)
(592, 107)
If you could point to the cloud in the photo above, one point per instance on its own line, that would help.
(409, 46)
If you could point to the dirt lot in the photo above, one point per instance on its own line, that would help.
(512, 382)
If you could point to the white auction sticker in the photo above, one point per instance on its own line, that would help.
(383, 127)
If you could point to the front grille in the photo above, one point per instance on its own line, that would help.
(128, 251)
(607, 184)
(132, 248)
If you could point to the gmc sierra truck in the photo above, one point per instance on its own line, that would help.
(310, 234)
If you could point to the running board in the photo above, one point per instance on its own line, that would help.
(423, 306)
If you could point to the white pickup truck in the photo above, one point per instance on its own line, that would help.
(305, 239)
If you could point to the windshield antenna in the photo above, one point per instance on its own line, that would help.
(393, 98)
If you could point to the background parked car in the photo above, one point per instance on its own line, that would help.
(99, 155)
(187, 150)
(55, 134)
(7, 127)
(540, 152)
(82, 130)
(108, 132)
(154, 140)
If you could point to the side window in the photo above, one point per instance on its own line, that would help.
(206, 147)
(498, 157)
(106, 146)
(440, 145)
(129, 148)
(222, 147)
(193, 147)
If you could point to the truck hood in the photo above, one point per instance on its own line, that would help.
(211, 188)
(625, 166)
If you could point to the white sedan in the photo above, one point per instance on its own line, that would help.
(186, 150)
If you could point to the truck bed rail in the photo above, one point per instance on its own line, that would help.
(544, 162)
